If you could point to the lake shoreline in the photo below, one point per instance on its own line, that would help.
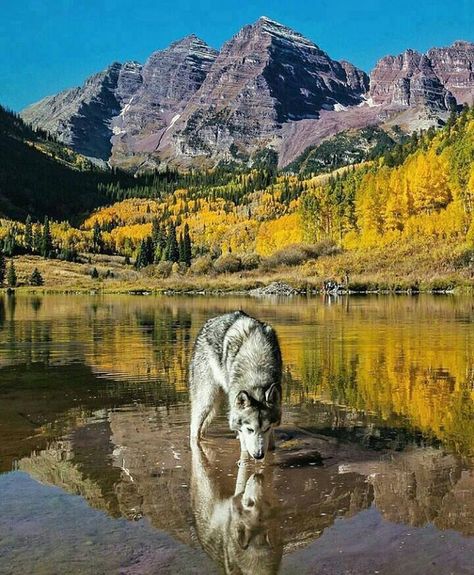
(222, 291)
(111, 276)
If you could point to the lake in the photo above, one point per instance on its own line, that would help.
(373, 470)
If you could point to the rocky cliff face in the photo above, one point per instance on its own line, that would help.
(356, 79)
(81, 117)
(264, 76)
(168, 80)
(454, 66)
(268, 87)
(409, 80)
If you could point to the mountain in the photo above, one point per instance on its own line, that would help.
(40, 176)
(454, 66)
(169, 79)
(81, 117)
(409, 80)
(267, 88)
(263, 77)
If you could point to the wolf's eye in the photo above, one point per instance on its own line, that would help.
(250, 430)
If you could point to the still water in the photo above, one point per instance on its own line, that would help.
(374, 466)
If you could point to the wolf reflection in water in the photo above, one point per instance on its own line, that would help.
(239, 531)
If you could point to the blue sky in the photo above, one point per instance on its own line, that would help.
(49, 45)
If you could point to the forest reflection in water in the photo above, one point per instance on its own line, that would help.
(378, 419)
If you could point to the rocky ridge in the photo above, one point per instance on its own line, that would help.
(408, 80)
(268, 87)
(81, 117)
(168, 80)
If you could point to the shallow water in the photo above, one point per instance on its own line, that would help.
(373, 471)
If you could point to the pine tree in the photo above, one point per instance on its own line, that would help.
(160, 248)
(28, 235)
(172, 248)
(145, 253)
(11, 276)
(149, 251)
(3, 268)
(181, 248)
(187, 246)
(9, 243)
(37, 236)
(155, 231)
(97, 243)
(158, 238)
(36, 279)
(46, 240)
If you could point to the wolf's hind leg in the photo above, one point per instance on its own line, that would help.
(217, 404)
(198, 415)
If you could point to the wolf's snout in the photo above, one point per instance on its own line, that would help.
(259, 455)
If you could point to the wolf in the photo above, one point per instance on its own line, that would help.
(240, 531)
(238, 357)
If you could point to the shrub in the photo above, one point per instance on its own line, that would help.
(201, 266)
(227, 263)
(296, 254)
(250, 261)
(163, 269)
(464, 259)
(68, 254)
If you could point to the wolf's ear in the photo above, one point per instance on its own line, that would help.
(273, 394)
(242, 400)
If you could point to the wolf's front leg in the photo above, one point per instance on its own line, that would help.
(271, 440)
(243, 448)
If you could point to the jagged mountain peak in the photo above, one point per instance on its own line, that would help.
(462, 44)
(266, 20)
(274, 29)
(192, 44)
(454, 65)
(409, 80)
(264, 76)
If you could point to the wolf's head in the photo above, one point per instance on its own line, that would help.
(254, 419)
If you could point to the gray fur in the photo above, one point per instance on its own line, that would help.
(238, 357)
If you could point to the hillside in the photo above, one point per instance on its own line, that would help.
(404, 219)
(40, 176)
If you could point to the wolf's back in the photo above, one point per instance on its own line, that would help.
(214, 330)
